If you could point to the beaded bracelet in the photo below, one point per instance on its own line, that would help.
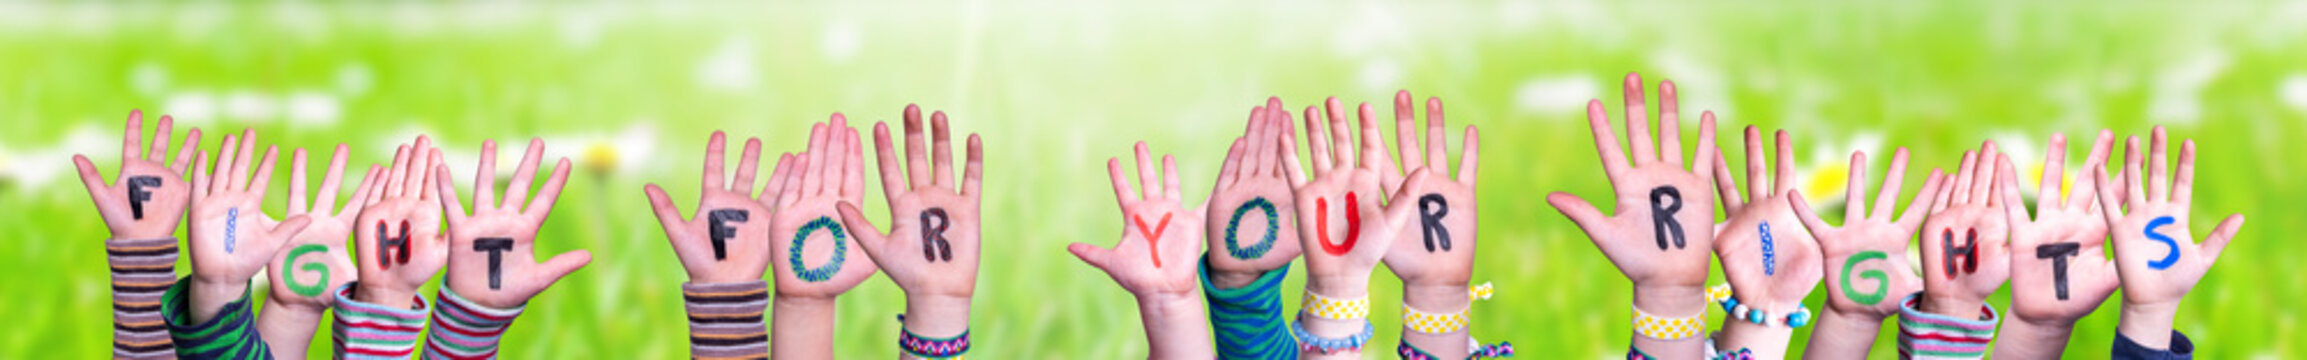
(932, 348)
(1336, 309)
(1307, 342)
(1800, 316)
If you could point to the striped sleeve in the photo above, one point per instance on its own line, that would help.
(371, 331)
(142, 271)
(725, 320)
(462, 329)
(229, 335)
(1248, 321)
(1923, 335)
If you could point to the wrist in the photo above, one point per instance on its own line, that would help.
(1956, 306)
(1673, 300)
(1445, 297)
(1339, 286)
(1766, 341)
(1175, 326)
(383, 295)
(937, 316)
(1234, 279)
(2148, 324)
(209, 297)
(2032, 339)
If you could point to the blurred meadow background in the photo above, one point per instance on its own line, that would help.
(630, 91)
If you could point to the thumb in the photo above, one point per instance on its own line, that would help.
(1809, 218)
(2217, 242)
(1580, 213)
(1404, 204)
(281, 233)
(868, 236)
(1095, 256)
(561, 265)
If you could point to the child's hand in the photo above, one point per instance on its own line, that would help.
(148, 198)
(492, 253)
(1251, 205)
(1965, 241)
(1435, 268)
(1661, 235)
(1352, 231)
(2060, 271)
(1866, 263)
(2155, 253)
(1157, 249)
(232, 237)
(931, 250)
(315, 261)
(727, 240)
(831, 171)
(397, 235)
(1770, 259)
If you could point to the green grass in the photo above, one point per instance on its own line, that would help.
(1056, 87)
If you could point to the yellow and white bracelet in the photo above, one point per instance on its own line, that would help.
(1432, 323)
(1337, 309)
(1669, 328)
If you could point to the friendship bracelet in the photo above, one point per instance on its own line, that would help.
(1475, 349)
(1432, 323)
(1309, 343)
(932, 348)
(1740, 354)
(1801, 315)
(1669, 328)
(1336, 309)
(1480, 292)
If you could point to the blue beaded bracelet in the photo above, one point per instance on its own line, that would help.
(1308, 342)
(1800, 317)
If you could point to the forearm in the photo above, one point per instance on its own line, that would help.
(230, 334)
(725, 319)
(1674, 301)
(1175, 326)
(1443, 331)
(936, 317)
(2023, 339)
(804, 328)
(1842, 336)
(467, 330)
(142, 270)
(288, 328)
(1247, 319)
(2148, 325)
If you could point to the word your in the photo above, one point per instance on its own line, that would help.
(721, 230)
(1273, 229)
(138, 193)
(231, 228)
(1881, 280)
(1153, 236)
(388, 245)
(2171, 258)
(1431, 208)
(496, 248)
(1353, 224)
(1769, 252)
(1967, 254)
(2058, 253)
(1662, 215)
(313, 266)
(840, 250)
(933, 244)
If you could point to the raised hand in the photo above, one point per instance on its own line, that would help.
(2059, 267)
(149, 197)
(232, 237)
(398, 244)
(727, 241)
(1965, 241)
(1443, 259)
(1341, 204)
(492, 252)
(1659, 234)
(831, 171)
(1866, 265)
(1154, 259)
(931, 249)
(1770, 258)
(2155, 252)
(1251, 205)
(316, 261)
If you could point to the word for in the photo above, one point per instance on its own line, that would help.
(388, 246)
(2058, 253)
(138, 193)
(1967, 254)
(312, 266)
(721, 230)
(1273, 229)
(1664, 202)
(933, 244)
(1153, 236)
(840, 250)
(1431, 208)
(2171, 258)
(1769, 252)
(231, 228)
(496, 248)
(1881, 279)
(1353, 224)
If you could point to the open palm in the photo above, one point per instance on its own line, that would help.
(932, 244)
(148, 198)
(1157, 248)
(1444, 206)
(1965, 241)
(1866, 264)
(398, 243)
(2156, 268)
(492, 252)
(727, 241)
(316, 260)
(2059, 271)
(1659, 232)
(1251, 205)
(829, 173)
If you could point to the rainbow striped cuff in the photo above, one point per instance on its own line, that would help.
(1248, 321)
(725, 320)
(229, 335)
(142, 271)
(466, 330)
(1924, 335)
(371, 331)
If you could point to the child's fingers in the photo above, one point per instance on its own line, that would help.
(941, 151)
(542, 205)
(2217, 242)
(1726, 186)
(668, 214)
(2106, 196)
(1317, 141)
(485, 178)
(1471, 148)
(93, 180)
(2008, 183)
(2183, 188)
(132, 139)
(324, 201)
(1638, 121)
(450, 202)
(1782, 179)
(867, 235)
(1809, 218)
(748, 166)
(1854, 190)
(184, 153)
(263, 179)
(892, 179)
(1093, 255)
(1924, 199)
(1121, 190)
(1147, 179)
(561, 266)
(916, 158)
(2158, 171)
(296, 183)
(973, 174)
(714, 147)
(517, 191)
(285, 230)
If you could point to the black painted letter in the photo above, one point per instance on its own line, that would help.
(1431, 208)
(137, 193)
(1967, 255)
(391, 249)
(496, 248)
(1662, 215)
(2058, 253)
(721, 231)
(933, 244)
